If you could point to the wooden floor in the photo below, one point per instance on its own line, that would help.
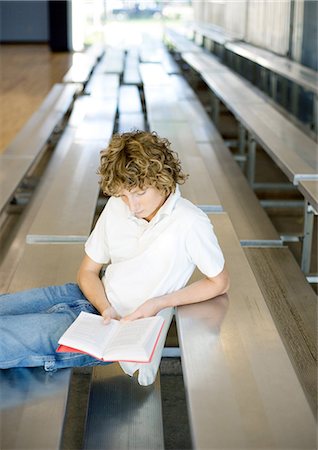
(27, 73)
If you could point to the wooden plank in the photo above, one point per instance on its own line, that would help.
(129, 122)
(162, 104)
(47, 265)
(230, 88)
(94, 118)
(179, 42)
(214, 35)
(131, 70)
(30, 397)
(201, 125)
(241, 388)
(103, 85)
(153, 74)
(33, 136)
(30, 400)
(122, 414)
(24, 151)
(129, 100)
(12, 170)
(112, 61)
(251, 223)
(67, 211)
(60, 97)
(151, 51)
(204, 62)
(199, 188)
(293, 305)
(169, 64)
(181, 88)
(291, 149)
(81, 68)
(66, 98)
(309, 189)
(13, 247)
(301, 75)
(37, 130)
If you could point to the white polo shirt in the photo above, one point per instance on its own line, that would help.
(149, 259)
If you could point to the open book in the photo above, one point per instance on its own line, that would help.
(133, 341)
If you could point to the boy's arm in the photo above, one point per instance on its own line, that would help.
(198, 291)
(92, 287)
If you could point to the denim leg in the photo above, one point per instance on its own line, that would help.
(39, 299)
(32, 322)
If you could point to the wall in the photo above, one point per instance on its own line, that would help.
(310, 36)
(286, 27)
(24, 21)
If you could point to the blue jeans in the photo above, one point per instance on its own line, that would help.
(31, 323)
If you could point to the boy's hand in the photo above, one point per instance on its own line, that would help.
(147, 309)
(110, 313)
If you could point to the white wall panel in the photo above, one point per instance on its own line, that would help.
(265, 23)
(268, 24)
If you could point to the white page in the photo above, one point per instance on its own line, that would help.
(134, 339)
(89, 333)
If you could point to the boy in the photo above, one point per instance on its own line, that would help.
(150, 240)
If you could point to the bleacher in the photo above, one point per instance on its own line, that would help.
(249, 357)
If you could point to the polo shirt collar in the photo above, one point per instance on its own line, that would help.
(165, 210)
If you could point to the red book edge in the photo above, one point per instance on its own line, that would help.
(66, 349)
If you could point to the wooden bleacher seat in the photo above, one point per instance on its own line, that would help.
(278, 137)
(224, 184)
(103, 85)
(204, 62)
(199, 121)
(291, 70)
(242, 391)
(162, 104)
(33, 406)
(153, 74)
(67, 212)
(250, 221)
(122, 414)
(309, 189)
(94, 117)
(156, 52)
(111, 62)
(31, 397)
(207, 32)
(76, 182)
(129, 100)
(129, 122)
(26, 148)
(13, 247)
(199, 188)
(181, 87)
(130, 112)
(97, 50)
(179, 43)
(81, 68)
(293, 305)
(131, 70)
(293, 151)
(46, 265)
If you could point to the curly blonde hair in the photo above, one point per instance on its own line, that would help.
(139, 159)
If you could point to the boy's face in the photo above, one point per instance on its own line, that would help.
(143, 203)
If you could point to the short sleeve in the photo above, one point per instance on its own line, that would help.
(203, 247)
(96, 246)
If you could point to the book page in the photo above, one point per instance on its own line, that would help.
(134, 340)
(89, 333)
